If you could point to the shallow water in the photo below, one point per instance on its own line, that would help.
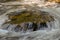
(49, 34)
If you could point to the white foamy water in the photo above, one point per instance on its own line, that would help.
(2, 19)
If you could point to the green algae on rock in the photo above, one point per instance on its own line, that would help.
(30, 16)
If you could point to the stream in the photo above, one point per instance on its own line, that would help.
(49, 34)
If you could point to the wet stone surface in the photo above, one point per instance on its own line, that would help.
(28, 21)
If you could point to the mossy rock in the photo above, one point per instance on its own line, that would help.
(30, 16)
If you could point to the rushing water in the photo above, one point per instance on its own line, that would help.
(50, 33)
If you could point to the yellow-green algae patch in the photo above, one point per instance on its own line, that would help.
(29, 16)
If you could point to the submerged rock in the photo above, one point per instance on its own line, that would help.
(30, 16)
(28, 21)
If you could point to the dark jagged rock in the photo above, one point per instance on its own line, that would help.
(34, 26)
(43, 25)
